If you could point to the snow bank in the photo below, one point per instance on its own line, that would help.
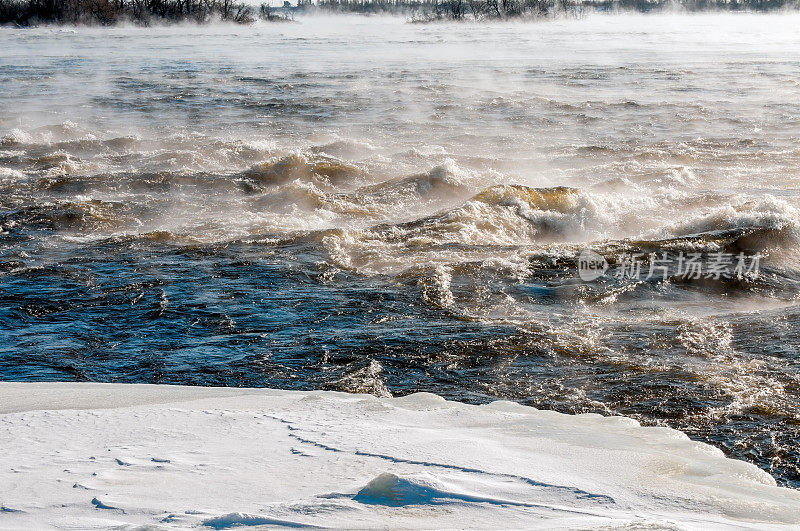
(102, 455)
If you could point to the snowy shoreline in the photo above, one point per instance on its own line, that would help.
(85, 456)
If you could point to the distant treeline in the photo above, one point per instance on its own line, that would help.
(428, 10)
(143, 12)
(693, 5)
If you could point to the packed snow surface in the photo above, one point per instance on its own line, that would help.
(81, 456)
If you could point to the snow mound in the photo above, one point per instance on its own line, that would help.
(388, 489)
(227, 521)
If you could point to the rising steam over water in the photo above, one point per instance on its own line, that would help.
(374, 206)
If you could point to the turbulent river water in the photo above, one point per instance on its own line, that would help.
(369, 205)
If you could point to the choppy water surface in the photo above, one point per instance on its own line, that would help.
(369, 205)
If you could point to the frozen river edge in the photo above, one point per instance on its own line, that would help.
(81, 455)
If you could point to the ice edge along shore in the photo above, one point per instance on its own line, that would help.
(80, 455)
